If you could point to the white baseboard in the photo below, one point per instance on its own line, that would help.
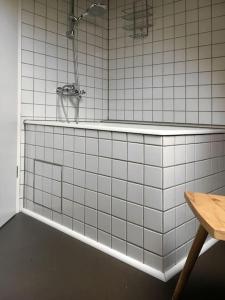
(179, 266)
(130, 261)
(122, 257)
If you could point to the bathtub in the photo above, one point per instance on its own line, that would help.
(134, 127)
(119, 186)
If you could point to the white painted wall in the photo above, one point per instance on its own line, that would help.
(8, 107)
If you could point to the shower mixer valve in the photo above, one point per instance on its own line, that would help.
(70, 90)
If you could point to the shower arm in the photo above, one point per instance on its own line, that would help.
(89, 11)
(76, 20)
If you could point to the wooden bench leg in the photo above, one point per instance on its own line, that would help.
(190, 262)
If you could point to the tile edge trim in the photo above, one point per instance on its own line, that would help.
(179, 266)
(176, 131)
(120, 256)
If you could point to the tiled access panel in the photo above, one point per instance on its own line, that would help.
(47, 185)
(123, 190)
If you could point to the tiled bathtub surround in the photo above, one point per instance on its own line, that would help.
(177, 73)
(122, 190)
(47, 59)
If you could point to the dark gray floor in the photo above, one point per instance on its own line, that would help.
(38, 262)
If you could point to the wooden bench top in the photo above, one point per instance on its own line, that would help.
(210, 211)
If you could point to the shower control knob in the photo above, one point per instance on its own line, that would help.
(70, 90)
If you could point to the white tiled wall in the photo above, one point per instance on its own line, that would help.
(121, 189)
(47, 59)
(177, 73)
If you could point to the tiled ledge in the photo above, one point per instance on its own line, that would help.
(159, 130)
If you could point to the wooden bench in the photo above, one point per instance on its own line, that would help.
(210, 211)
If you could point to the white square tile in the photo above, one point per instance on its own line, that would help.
(153, 241)
(78, 212)
(118, 228)
(135, 252)
(179, 172)
(105, 148)
(105, 166)
(135, 172)
(92, 163)
(168, 177)
(92, 146)
(169, 242)
(104, 184)
(119, 169)
(90, 216)
(153, 219)
(104, 203)
(91, 199)
(135, 234)
(135, 193)
(135, 213)
(119, 150)
(91, 181)
(153, 176)
(153, 197)
(119, 188)
(180, 154)
(153, 260)
(104, 222)
(135, 152)
(153, 155)
(168, 156)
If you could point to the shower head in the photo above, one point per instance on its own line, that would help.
(96, 10)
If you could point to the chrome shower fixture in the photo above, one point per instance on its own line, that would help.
(94, 10)
(73, 90)
(70, 90)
